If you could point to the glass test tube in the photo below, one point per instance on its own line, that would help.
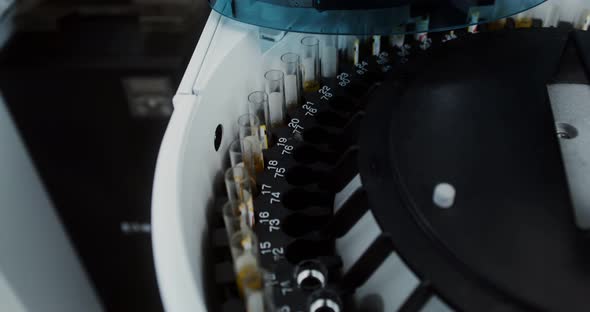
(524, 20)
(234, 213)
(255, 300)
(252, 156)
(329, 58)
(239, 189)
(551, 18)
(258, 105)
(422, 26)
(376, 45)
(249, 126)
(311, 64)
(275, 88)
(397, 40)
(258, 299)
(347, 48)
(293, 83)
(244, 251)
(585, 20)
(235, 153)
(356, 49)
(473, 20)
(497, 25)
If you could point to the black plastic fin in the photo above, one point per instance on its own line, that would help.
(367, 264)
(347, 216)
(419, 297)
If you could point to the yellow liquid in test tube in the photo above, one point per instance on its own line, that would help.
(247, 207)
(497, 25)
(523, 21)
(257, 162)
(264, 136)
(311, 86)
(252, 155)
(247, 273)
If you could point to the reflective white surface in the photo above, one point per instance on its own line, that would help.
(39, 270)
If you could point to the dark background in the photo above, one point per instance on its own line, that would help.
(89, 85)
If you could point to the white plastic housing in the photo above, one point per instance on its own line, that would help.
(227, 65)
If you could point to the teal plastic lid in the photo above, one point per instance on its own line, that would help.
(369, 17)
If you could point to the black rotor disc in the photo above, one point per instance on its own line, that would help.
(476, 114)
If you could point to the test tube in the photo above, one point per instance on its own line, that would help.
(585, 20)
(356, 49)
(252, 156)
(258, 299)
(422, 26)
(239, 189)
(473, 20)
(234, 216)
(346, 46)
(275, 88)
(235, 153)
(497, 25)
(249, 126)
(376, 45)
(244, 251)
(258, 105)
(524, 20)
(311, 64)
(254, 300)
(293, 85)
(397, 40)
(329, 58)
(551, 18)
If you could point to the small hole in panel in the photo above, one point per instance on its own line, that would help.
(566, 131)
(218, 137)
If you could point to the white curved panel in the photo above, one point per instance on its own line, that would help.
(228, 64)
(188, 168)
(9, 301)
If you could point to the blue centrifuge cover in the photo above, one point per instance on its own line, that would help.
(368, 16)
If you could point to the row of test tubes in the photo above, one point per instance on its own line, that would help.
(267, 109)
(550, 14)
